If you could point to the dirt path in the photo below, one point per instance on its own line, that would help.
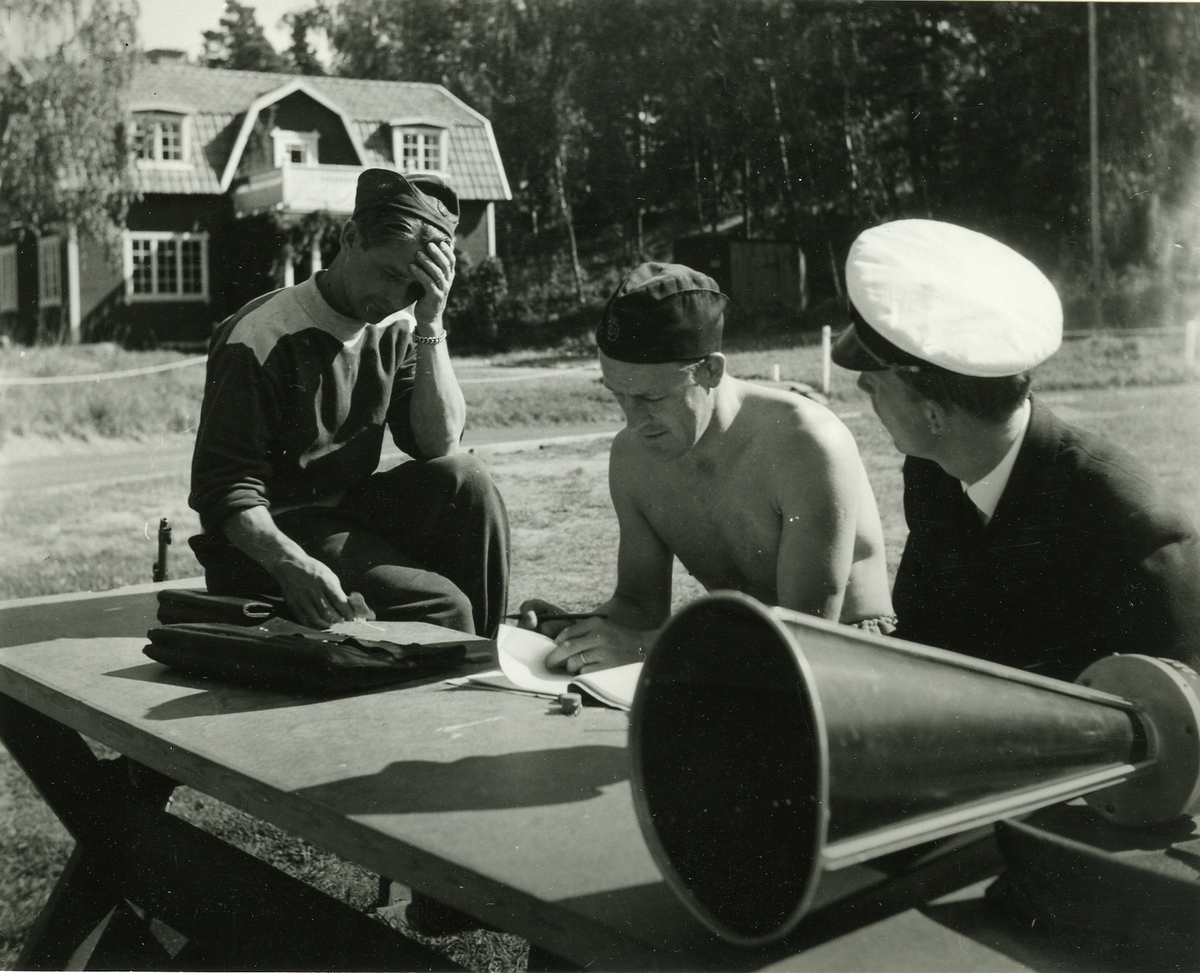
(113, 463)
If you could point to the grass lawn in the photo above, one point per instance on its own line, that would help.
(168, 403)
(564, 543)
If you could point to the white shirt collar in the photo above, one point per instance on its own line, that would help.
(986, 493)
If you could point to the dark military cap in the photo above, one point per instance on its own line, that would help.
(385, 193)
(663, 313)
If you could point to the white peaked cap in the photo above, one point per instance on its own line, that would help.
(954, 298)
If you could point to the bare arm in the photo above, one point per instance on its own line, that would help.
(310, 588)
(438, 411)
(642, 600)
(818, 489)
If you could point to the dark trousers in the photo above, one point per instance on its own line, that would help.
(426, 541)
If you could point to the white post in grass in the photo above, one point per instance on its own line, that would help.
(74, 304)
(775, 374)
(826, 357)
(1191, 332)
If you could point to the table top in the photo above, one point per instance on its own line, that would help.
(494, 803)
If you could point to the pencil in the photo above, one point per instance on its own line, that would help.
(564, 616)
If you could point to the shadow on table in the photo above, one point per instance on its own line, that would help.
(529, 779)
(1037, 947)
(213, 698)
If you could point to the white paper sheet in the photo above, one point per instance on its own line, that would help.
(523, 654)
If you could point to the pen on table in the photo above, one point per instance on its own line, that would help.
(563, 616)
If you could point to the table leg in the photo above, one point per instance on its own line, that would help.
(541, 961)
(237, 911)
(81, 899)
(84, 792)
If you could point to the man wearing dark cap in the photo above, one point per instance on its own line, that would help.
(1031, 543)
(301, 385)
(752, 489)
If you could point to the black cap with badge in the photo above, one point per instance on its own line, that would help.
(386, 193)
(663, 313)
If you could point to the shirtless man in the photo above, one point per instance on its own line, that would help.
(752, 489)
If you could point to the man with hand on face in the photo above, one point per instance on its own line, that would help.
(752, 489)
(1031, 543)
(301, 385)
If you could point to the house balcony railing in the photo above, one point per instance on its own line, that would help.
(299, 189)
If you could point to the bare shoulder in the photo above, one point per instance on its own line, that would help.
(796, 428)
(628, 470)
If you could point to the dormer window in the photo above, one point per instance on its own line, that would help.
(295, 148)
(419, 147)
(159, 137)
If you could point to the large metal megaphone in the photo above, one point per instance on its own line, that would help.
(770, 748)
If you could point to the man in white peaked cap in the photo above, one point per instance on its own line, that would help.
(1031, 543)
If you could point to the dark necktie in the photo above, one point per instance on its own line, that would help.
(972, 519)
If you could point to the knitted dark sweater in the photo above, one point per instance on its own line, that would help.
(295, 403)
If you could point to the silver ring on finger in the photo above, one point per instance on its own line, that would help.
(583, 660)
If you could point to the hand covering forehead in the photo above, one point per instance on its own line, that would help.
(663, 313)
(384, 195)
(931, 293)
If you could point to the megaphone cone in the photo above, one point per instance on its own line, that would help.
(770, 748)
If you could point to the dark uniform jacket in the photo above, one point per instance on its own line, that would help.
(1084, 557)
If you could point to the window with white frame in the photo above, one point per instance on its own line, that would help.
(295, 148)
(421, 148)
(8, 278)
(163, 266)
(49, 271)
(159, 138)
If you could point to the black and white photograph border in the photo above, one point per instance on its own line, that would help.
(972, 745)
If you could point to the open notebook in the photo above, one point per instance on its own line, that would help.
(522, 655)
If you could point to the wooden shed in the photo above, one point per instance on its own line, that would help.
(765, 279)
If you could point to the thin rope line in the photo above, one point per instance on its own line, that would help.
(99, 376)
(169, 366)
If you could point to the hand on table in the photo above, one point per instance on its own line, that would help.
(596, 643)
(314, 594)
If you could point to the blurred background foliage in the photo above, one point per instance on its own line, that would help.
(626, 123)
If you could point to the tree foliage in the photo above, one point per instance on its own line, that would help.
(63, 152)
(809, 119)
(239, 43)
(300, 55)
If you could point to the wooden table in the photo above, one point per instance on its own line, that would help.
(495, 804)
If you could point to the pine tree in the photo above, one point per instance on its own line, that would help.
(240, 43)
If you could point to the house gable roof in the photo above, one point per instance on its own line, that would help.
(224, 104)
(256, 106)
